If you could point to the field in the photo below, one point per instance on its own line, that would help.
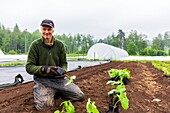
(148, 90)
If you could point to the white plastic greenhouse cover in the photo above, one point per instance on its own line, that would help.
(1, 53)
(106, 52)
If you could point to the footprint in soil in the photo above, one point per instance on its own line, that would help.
(29, 101)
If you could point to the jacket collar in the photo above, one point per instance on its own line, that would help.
(42, 40)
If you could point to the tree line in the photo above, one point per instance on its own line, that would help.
(16, 41)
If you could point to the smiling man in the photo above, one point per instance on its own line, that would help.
(46, 56)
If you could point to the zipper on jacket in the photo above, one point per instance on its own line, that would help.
(49, 52)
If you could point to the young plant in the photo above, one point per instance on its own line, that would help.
(120, 93)
(116, 74)
(67, 107)
(71, 80)
(91, 108)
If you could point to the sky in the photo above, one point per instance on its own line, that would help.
(98, 18)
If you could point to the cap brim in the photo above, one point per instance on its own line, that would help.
(46, 24)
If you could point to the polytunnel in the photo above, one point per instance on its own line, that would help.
(1, 53)
(105, 52)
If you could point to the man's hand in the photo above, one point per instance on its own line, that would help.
(49, 69)
(53, 70)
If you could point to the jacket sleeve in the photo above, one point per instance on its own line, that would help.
(31, 65)
(63, 59)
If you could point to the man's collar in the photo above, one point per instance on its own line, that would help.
(48, 44)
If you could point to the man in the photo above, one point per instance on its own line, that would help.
(47, 55)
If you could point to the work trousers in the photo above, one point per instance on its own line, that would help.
(46, 88)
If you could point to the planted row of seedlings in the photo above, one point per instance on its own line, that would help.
(69, 108)
(117, 96)
(163, 66)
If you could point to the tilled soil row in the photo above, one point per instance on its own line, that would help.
(146, 84)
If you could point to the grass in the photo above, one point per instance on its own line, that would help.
(9, 64)
(75, 55)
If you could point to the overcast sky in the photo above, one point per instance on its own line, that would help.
(99, 18)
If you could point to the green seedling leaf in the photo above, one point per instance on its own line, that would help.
(120, 89)
(57, 111)
(90, 107)
(124, 101)
(113, 82)
(71, 80)
(111, 91)
(119, 73)
(127, 73)
(112, 73)
(67, 107)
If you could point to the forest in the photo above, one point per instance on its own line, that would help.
(15, 41)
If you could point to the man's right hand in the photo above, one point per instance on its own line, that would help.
(53, 71)
(49, 69)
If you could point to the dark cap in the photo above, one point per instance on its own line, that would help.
(47, 22)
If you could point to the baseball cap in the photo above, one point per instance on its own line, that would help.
(47, 22)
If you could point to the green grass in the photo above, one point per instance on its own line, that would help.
(9, 64)
(75, 55)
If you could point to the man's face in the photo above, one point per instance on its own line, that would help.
(47, 33)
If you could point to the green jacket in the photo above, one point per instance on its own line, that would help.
(42, 55)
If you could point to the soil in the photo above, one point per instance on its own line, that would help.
(146, 86)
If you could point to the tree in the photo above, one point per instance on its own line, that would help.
(132, 48)
(167, 40)
(138, 40)
(121, 37)
(142, 43)
(115, 40)
(149, 52)
(158, 43)
(112, 40)
(16, 38)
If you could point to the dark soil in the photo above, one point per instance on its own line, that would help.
(146, 84)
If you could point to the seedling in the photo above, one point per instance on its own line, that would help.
(116, 74)
(67, 107)
(71, 80)
(119, 73)
(118, 94)
(91, 108)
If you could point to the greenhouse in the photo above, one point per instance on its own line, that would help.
(1, 53)
(105, 52)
